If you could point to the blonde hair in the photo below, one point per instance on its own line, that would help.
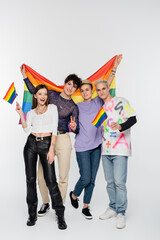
(86, 81)
(101, 81)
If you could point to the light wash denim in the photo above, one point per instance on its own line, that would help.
(88, 162)
(115, 172)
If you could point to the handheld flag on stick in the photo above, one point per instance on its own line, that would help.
(100, 118)
(11, 94)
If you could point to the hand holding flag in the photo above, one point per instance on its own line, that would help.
(23, 71)
(19, 109)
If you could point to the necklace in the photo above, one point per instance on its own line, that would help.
(41, 111)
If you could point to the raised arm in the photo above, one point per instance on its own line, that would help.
(26, 80)
(52, 93)
(113, 72)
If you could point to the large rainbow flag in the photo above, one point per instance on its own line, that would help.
(36, 79)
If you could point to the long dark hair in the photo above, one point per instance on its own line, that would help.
(34, 101)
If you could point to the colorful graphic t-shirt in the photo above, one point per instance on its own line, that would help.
(116, 142)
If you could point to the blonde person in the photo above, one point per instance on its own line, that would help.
(42, 122)
(88, 144)
(116, 147)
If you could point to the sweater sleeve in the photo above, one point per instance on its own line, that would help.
(29, 85)
(128, 124)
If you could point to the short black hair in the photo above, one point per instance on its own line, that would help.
(76, 80)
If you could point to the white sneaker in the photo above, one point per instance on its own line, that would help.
(120, 221)
(109, 213)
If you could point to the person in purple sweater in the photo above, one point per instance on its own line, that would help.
(88, 143)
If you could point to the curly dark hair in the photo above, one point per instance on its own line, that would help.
(76, 80)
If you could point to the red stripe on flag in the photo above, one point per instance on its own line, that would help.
(8, 90)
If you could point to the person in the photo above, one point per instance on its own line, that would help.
(116, 147)
(42, 121)
(66, 109)
(88, 144)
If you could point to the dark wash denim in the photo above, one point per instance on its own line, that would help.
(32, 149)
(88, 162)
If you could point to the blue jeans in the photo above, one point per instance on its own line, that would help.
(115, 172)
(88, 162)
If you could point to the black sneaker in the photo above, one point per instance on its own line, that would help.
(31, 221)
(86, 213)
(61, 222)
(43, 210)
(74, 202)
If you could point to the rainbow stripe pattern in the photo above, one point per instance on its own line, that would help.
(36, 79)
(100, 117)
(11, 94)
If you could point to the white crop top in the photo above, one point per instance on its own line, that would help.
(43, 123)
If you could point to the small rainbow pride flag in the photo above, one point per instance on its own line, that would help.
(11, 94)
(100, 117)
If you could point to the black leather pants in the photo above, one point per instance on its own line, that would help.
(32, 149)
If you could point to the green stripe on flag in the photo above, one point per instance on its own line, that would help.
(27, 96)
(112, 92)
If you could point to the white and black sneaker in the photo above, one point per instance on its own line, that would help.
(86, 213)
(43, 210)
